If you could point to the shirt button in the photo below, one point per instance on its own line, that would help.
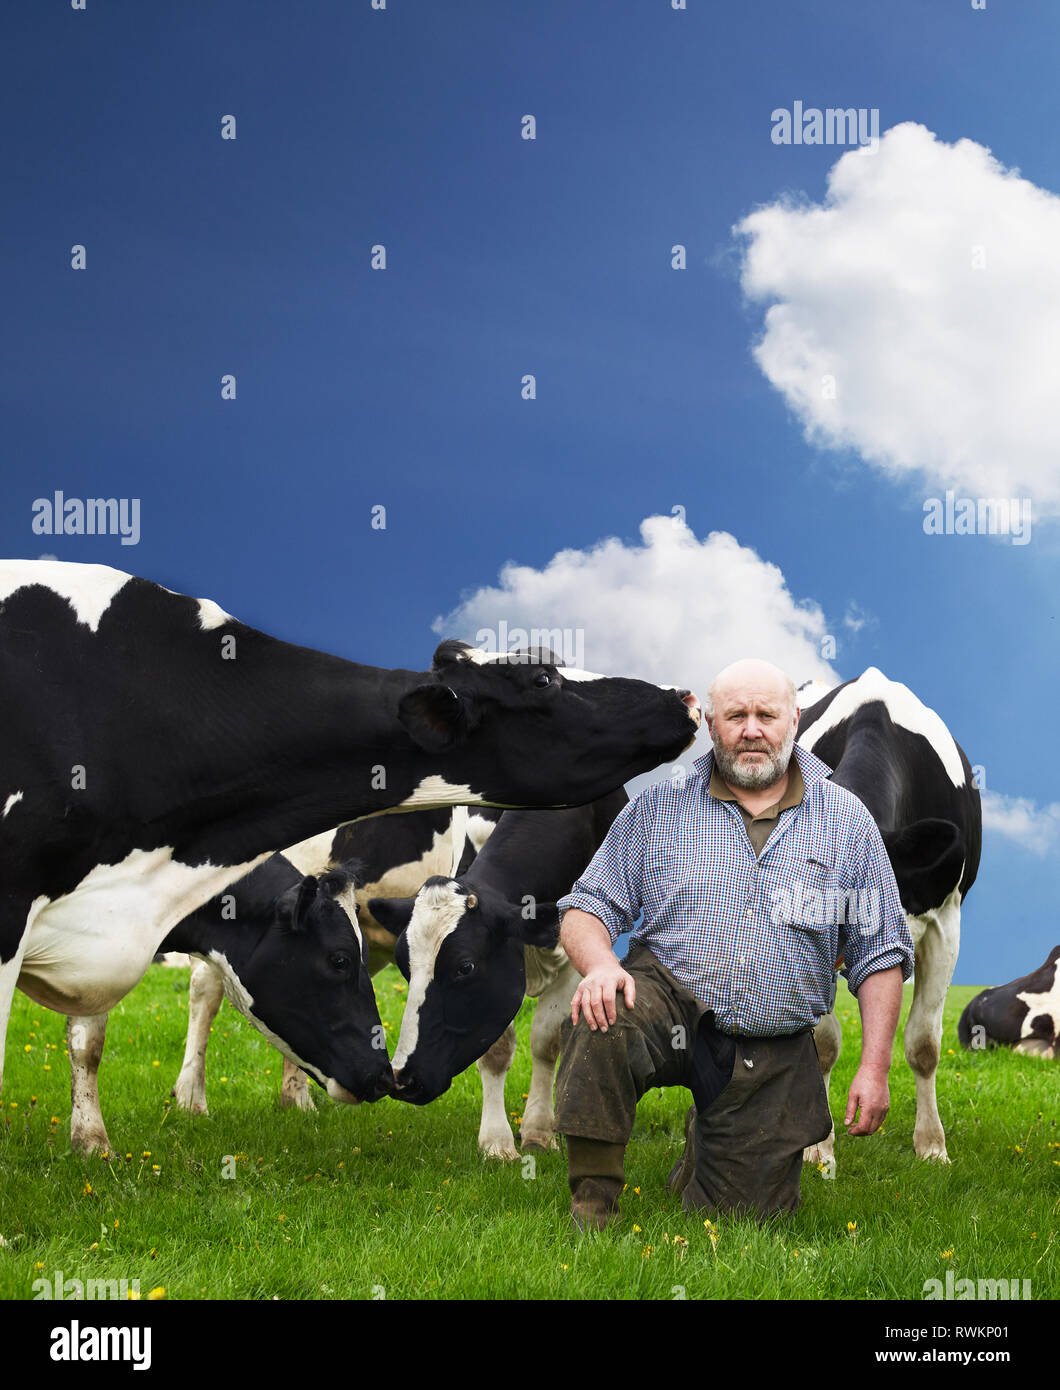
(743, 960)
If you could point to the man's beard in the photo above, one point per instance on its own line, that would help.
(760, 776)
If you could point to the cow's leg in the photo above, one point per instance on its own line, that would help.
(495, 1137)
(538, 1127)
(295, 1088)
(936, 936)
(14, 934)
(1035, 1047)
(205, 995)
(85, 1036)
(828, 1039)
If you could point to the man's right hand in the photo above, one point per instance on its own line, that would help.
(595, 996)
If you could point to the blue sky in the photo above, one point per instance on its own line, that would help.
(402, 387)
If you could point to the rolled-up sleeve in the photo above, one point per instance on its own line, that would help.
(610, 887)
(877, 937)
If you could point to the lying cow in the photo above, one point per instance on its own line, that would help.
(392, 855)
(901, 761)
(473, 946)
(290, 956)
(155, 750)
(1023, 1015)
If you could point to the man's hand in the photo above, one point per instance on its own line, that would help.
(869, 1094)
(596, 994)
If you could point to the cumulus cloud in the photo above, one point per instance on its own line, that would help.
(1033, 827)
(673, 609)
(912, 316)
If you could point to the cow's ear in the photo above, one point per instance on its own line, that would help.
(541, 930)
(926, 858)
(436, 717)
(392, 914)
(449, 651)
(294, 905)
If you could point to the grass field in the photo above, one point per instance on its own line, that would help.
(388, 1200)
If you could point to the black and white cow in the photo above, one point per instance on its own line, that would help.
(393, 856)
(290, 957)
(900, 760)
(1023, 1015)
(474, 945)
(155, 750)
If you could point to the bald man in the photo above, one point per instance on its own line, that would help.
(754, 875)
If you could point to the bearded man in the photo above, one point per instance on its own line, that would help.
(755, 875)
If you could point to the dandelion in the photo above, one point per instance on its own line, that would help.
(154, 1167)
(134, 1294)
(47, 1066)
(156, 1064)
(146, 1153)
(945, 1254)
(637, 1191)
(28, 1047)
(646, 1252)
(852, 1226)
(636, 1230)
(156, 1294)
(86, 1191)
(39, 1264)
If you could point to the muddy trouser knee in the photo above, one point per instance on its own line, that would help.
(749, 1143)
(602, 1076)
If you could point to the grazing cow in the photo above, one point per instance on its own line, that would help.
(471, 951)
(1023, 1015)
(900, 760)
(393, 855)
(289, 953)
(155, 750)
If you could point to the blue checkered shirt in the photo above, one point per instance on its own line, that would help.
(756, 940)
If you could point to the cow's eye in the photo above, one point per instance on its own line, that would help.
(340, 960)
(542, 678)
(465, 968)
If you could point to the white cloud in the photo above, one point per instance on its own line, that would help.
(1033, 827)
(673, 609)
(938, 365)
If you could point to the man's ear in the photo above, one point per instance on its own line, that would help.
(436, 717)
(540, 930)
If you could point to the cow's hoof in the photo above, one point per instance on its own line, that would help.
(297, 1100)
(936, 1151)
(818, 1154)
(540, 1143)
(501, 1146)
(89, 1142)
(190, 1098)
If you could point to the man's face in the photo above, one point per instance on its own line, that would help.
(753, 730)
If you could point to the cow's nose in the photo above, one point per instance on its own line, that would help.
(690, 700)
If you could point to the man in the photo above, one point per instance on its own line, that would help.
(754, 876)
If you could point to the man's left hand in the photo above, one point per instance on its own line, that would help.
(870, 1096)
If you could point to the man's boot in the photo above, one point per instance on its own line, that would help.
(596, 1176)
(681, 1172)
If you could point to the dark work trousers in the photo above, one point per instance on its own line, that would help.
(748, 1129)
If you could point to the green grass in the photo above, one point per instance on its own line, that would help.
(346, 1202)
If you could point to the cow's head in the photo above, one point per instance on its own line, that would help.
(307, 988)
(461, 950)
(522, 729)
